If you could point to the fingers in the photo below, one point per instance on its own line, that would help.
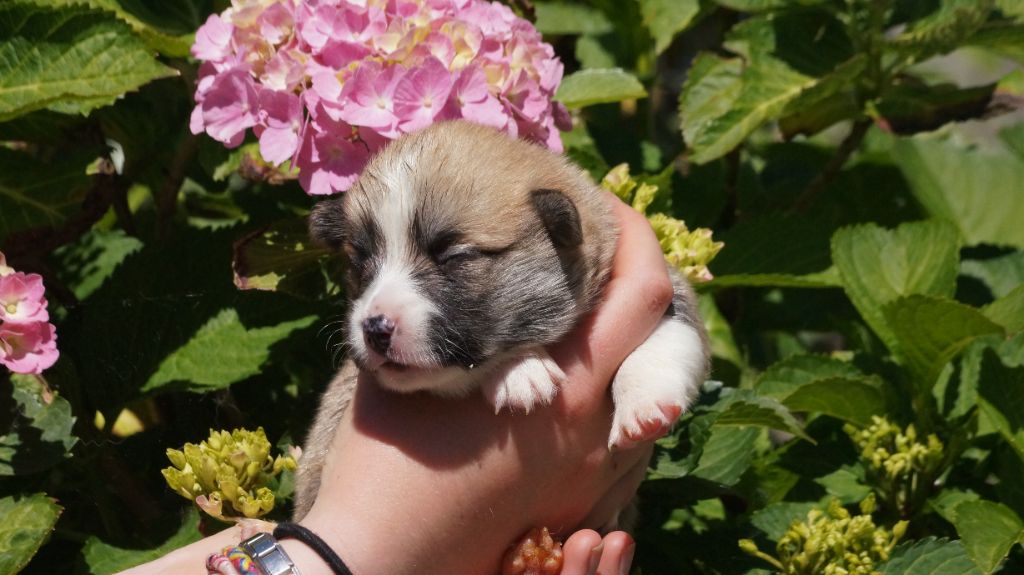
(582, 553)
(587, 554)
(617, 555)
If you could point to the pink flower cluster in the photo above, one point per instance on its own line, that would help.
(28, 341)
(324, 83)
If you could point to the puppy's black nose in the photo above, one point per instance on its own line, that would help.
(377, 332)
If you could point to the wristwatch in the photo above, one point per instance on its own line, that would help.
(268, 555)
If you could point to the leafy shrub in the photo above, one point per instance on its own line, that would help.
(861, 160)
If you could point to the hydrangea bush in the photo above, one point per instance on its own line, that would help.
(324, 84)
(839, 179)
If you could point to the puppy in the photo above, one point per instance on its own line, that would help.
(469, 252)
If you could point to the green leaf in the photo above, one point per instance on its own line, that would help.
(952, 22)
(846, 484)
(666, 18)
(853, 400)
(1008, 311)
(988, 530)
(279, 257)
(784, 377)
(977, 190)
(222, 352)
(779, 77)
(39, 435)
(560, 18)
(162, 41)
(87, 263)
(761, 5)
(1001, 274)
(929, 332)
(947, 501)
(748, 409)
(37, 193)
(104, 559)
(49, 56)
(1005, 38)
(930, 556)
(913, 107)
(775, 519)
(1001, 392)
(28, 521)
(919, 258)
(599, 86)
(720, 337)
(826, 279)
(727, 454)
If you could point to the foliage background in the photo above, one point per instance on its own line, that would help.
(863, 160)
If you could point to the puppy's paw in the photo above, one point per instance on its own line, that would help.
(642, 423)
(525, 382)
(656, 383)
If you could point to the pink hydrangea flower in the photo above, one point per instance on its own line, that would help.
(328, 82)
(29, 347)
(21, 298)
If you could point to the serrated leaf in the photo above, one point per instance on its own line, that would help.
(666, 18)
(1008, 311)
(952, 22)
(775, 519)
(222, 352)
(987, 530)
(853, 400)
(846, 484)
(911, 107)
(826, 279)
(36, 193)
(71, 54)
(40, 434)
(784, 377)
(87, 263)
(1001, 274)
(749, 409)
(930, 556)
(27, 522)
(946, 502)
(164, 42)
(280, 257)
(929, 332)
(777, 78)
(1001, 393)
(562, 18)
(1005, 38)
(720, 338)
(878, 266)
(727, 453)
(105, 559)
(599, 86)
(977, 190)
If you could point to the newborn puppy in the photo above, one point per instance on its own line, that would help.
(468, 253)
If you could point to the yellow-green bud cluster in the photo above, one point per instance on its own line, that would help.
(686, 250)
(832, 542)
(897, 453)
(227, 467)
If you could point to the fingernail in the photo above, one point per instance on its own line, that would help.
(627, 559)
(595, 559)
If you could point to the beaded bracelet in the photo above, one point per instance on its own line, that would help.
(231, 561)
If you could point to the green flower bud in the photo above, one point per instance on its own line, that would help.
(619, 182)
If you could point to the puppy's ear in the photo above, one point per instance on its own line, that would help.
(560, 217)
(327, 223)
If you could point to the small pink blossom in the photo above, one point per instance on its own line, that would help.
(421, 95)
(230, 107)
(370, 98)
(29, 347)
(21, 298)
(281, 121)
(213, 39)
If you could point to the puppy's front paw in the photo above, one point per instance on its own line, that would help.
(656, 383)
(525, 382)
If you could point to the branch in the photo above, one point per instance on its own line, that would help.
(834, 166)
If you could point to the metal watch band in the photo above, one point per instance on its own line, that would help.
(268, 555)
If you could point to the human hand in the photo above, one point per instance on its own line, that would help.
(586, 553)
(419, 484)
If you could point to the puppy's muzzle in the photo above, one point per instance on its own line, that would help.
(377, 332)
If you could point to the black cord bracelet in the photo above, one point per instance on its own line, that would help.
(314, 542)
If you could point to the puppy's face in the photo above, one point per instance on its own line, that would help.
(455, 258)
